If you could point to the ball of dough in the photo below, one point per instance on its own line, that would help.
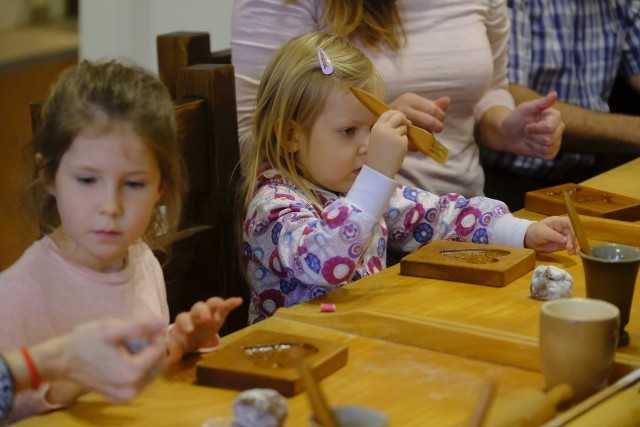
(260, 407)
(550, 282)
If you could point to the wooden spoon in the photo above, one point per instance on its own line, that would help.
(321, 411)
(577, 225)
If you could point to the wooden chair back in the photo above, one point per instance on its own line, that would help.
(181, 49)
(204, 263)
(208, 262)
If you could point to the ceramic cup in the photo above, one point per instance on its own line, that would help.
(610, 274)
(356, 416)
(578, 342)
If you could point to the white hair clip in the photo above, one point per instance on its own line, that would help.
(325, 62)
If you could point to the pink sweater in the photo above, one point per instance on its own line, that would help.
(43, 295)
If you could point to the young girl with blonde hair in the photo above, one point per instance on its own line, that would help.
(321, 203)
(108, 186)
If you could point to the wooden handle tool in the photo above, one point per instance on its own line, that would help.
(482, 407)
(319, 406)
(577, 225)
(596, 399)
(423, 140)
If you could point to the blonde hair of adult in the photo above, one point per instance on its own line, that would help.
(372, 22)
(99, 96)
(292, 94)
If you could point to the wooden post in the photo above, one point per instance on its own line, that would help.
(178, 50)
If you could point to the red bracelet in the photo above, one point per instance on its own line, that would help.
(33, 371)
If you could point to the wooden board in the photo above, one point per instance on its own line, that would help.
(260, 360)
(491, 265)
(587, 200)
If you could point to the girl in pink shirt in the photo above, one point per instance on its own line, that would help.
(108, 185)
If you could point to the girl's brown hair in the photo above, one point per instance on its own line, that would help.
(100, 95)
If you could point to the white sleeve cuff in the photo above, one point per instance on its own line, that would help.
(510, 231)
(371, 192)
(207, 348)
(46, 405)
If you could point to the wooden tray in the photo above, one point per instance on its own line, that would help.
(260, 360)
(491, 265)
(587, 200)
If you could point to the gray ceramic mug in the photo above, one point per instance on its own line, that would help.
(610, 274)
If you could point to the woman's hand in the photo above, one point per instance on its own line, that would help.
(99, 358)
(95, 356)
(423, 112)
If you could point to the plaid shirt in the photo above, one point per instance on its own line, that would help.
(576, 48)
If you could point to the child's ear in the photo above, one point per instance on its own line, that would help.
(44, 181)
(292, 140)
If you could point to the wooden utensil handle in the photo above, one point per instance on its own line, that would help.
(577, 225)
(560, 393)
(321, 410)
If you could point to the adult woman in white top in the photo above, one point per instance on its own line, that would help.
(443, 63)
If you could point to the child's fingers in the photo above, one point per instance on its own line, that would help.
(184, 322)
(221, 308)
(200, 313)
(217, 303)
(232, 303)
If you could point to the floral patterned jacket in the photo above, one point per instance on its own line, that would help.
(294, 252)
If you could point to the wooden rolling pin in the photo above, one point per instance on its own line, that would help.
(527, 407)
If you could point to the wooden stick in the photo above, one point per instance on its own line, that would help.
(319, 406)
(484, 403)
(594, 400)
(577, 225)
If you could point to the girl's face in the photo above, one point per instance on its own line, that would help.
(106, 189)
(336, 148)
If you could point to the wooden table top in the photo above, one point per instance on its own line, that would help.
(622, 180)
(419, 349)
(507, 310)
(410, 384)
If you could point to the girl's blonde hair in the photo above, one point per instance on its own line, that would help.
(100, 95)
(293, 92)
(372, 22)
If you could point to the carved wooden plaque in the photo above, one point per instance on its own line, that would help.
(588, 201)
(490, 265)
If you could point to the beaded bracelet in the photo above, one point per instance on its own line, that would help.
(33, 371)
(7, 391)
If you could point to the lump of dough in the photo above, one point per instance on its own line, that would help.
(550, 282)
(260, 407)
